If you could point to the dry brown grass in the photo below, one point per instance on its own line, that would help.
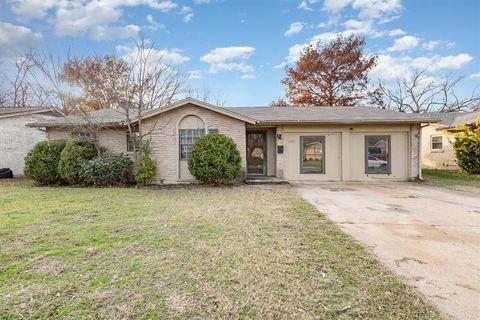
(236, 252)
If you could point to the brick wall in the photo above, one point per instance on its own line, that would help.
(16, 140)
(114, 140)
(163, 131)
(438, 159)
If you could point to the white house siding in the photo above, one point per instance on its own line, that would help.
(16, 140)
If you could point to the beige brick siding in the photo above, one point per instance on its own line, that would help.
(114, 140)
(415, 145)
(16, 140)
(163, 132)
(438, 159)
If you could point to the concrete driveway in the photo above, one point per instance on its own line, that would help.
(429, 236)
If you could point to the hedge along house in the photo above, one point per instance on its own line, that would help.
(292, 143)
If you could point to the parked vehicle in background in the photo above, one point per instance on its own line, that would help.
(375, 162)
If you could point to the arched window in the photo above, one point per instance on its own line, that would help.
(190, 129)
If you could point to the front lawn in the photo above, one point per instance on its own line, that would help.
(190, 252)
(452, 179)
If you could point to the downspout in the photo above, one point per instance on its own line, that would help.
(420, 149)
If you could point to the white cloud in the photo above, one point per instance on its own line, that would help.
(187, 14)
(98, 19)
(294, 28)
(165, 56)
(376, 9)
(361, 27)
(389, 68)
(475, 75)
(13, 37)
(335, 5)
(305, 4)
(404, 43)
(430, 45)
(230, 59)
(152, 24)
(449, 62)
(32, 8)
(100, 33)
(247, 76)
(396, 32)
(195, 75)
(201, 1)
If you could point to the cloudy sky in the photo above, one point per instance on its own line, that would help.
(240, 47)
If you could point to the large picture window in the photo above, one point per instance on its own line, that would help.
(377, 154)
(312, 154)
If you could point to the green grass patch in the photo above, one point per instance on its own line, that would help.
(456, 180)
(193, 252)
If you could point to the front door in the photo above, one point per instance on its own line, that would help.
(256, 153)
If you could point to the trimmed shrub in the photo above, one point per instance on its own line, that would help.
(467, 148)
(145, 167)
(75, 153)
(215, 159)
(106, 170)
(41, 163)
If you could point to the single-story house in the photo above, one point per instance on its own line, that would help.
(16, 140)
(291, 143)
(438, 139)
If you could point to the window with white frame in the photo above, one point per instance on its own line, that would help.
(436, 142)
(190, 129)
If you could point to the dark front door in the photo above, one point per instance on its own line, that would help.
(256, 153)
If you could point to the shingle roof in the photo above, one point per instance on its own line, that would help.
(453, 119)
(10, 111)
(330, 115)
(346, 115)
(101, 117)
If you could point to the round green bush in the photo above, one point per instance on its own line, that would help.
(41, 163)
(106, 170)
(215, 159)
(145, 167)
(467, 148)
(75, 153)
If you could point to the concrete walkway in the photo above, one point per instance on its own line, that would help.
(429, 236)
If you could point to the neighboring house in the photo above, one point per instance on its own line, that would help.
(16, 140)
(438, 151)
(293, 143)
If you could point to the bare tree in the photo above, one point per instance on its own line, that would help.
(206, 95)
(422, 93)
(151, 83)
(17, 88)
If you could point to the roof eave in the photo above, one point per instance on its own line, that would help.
(199, 103)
